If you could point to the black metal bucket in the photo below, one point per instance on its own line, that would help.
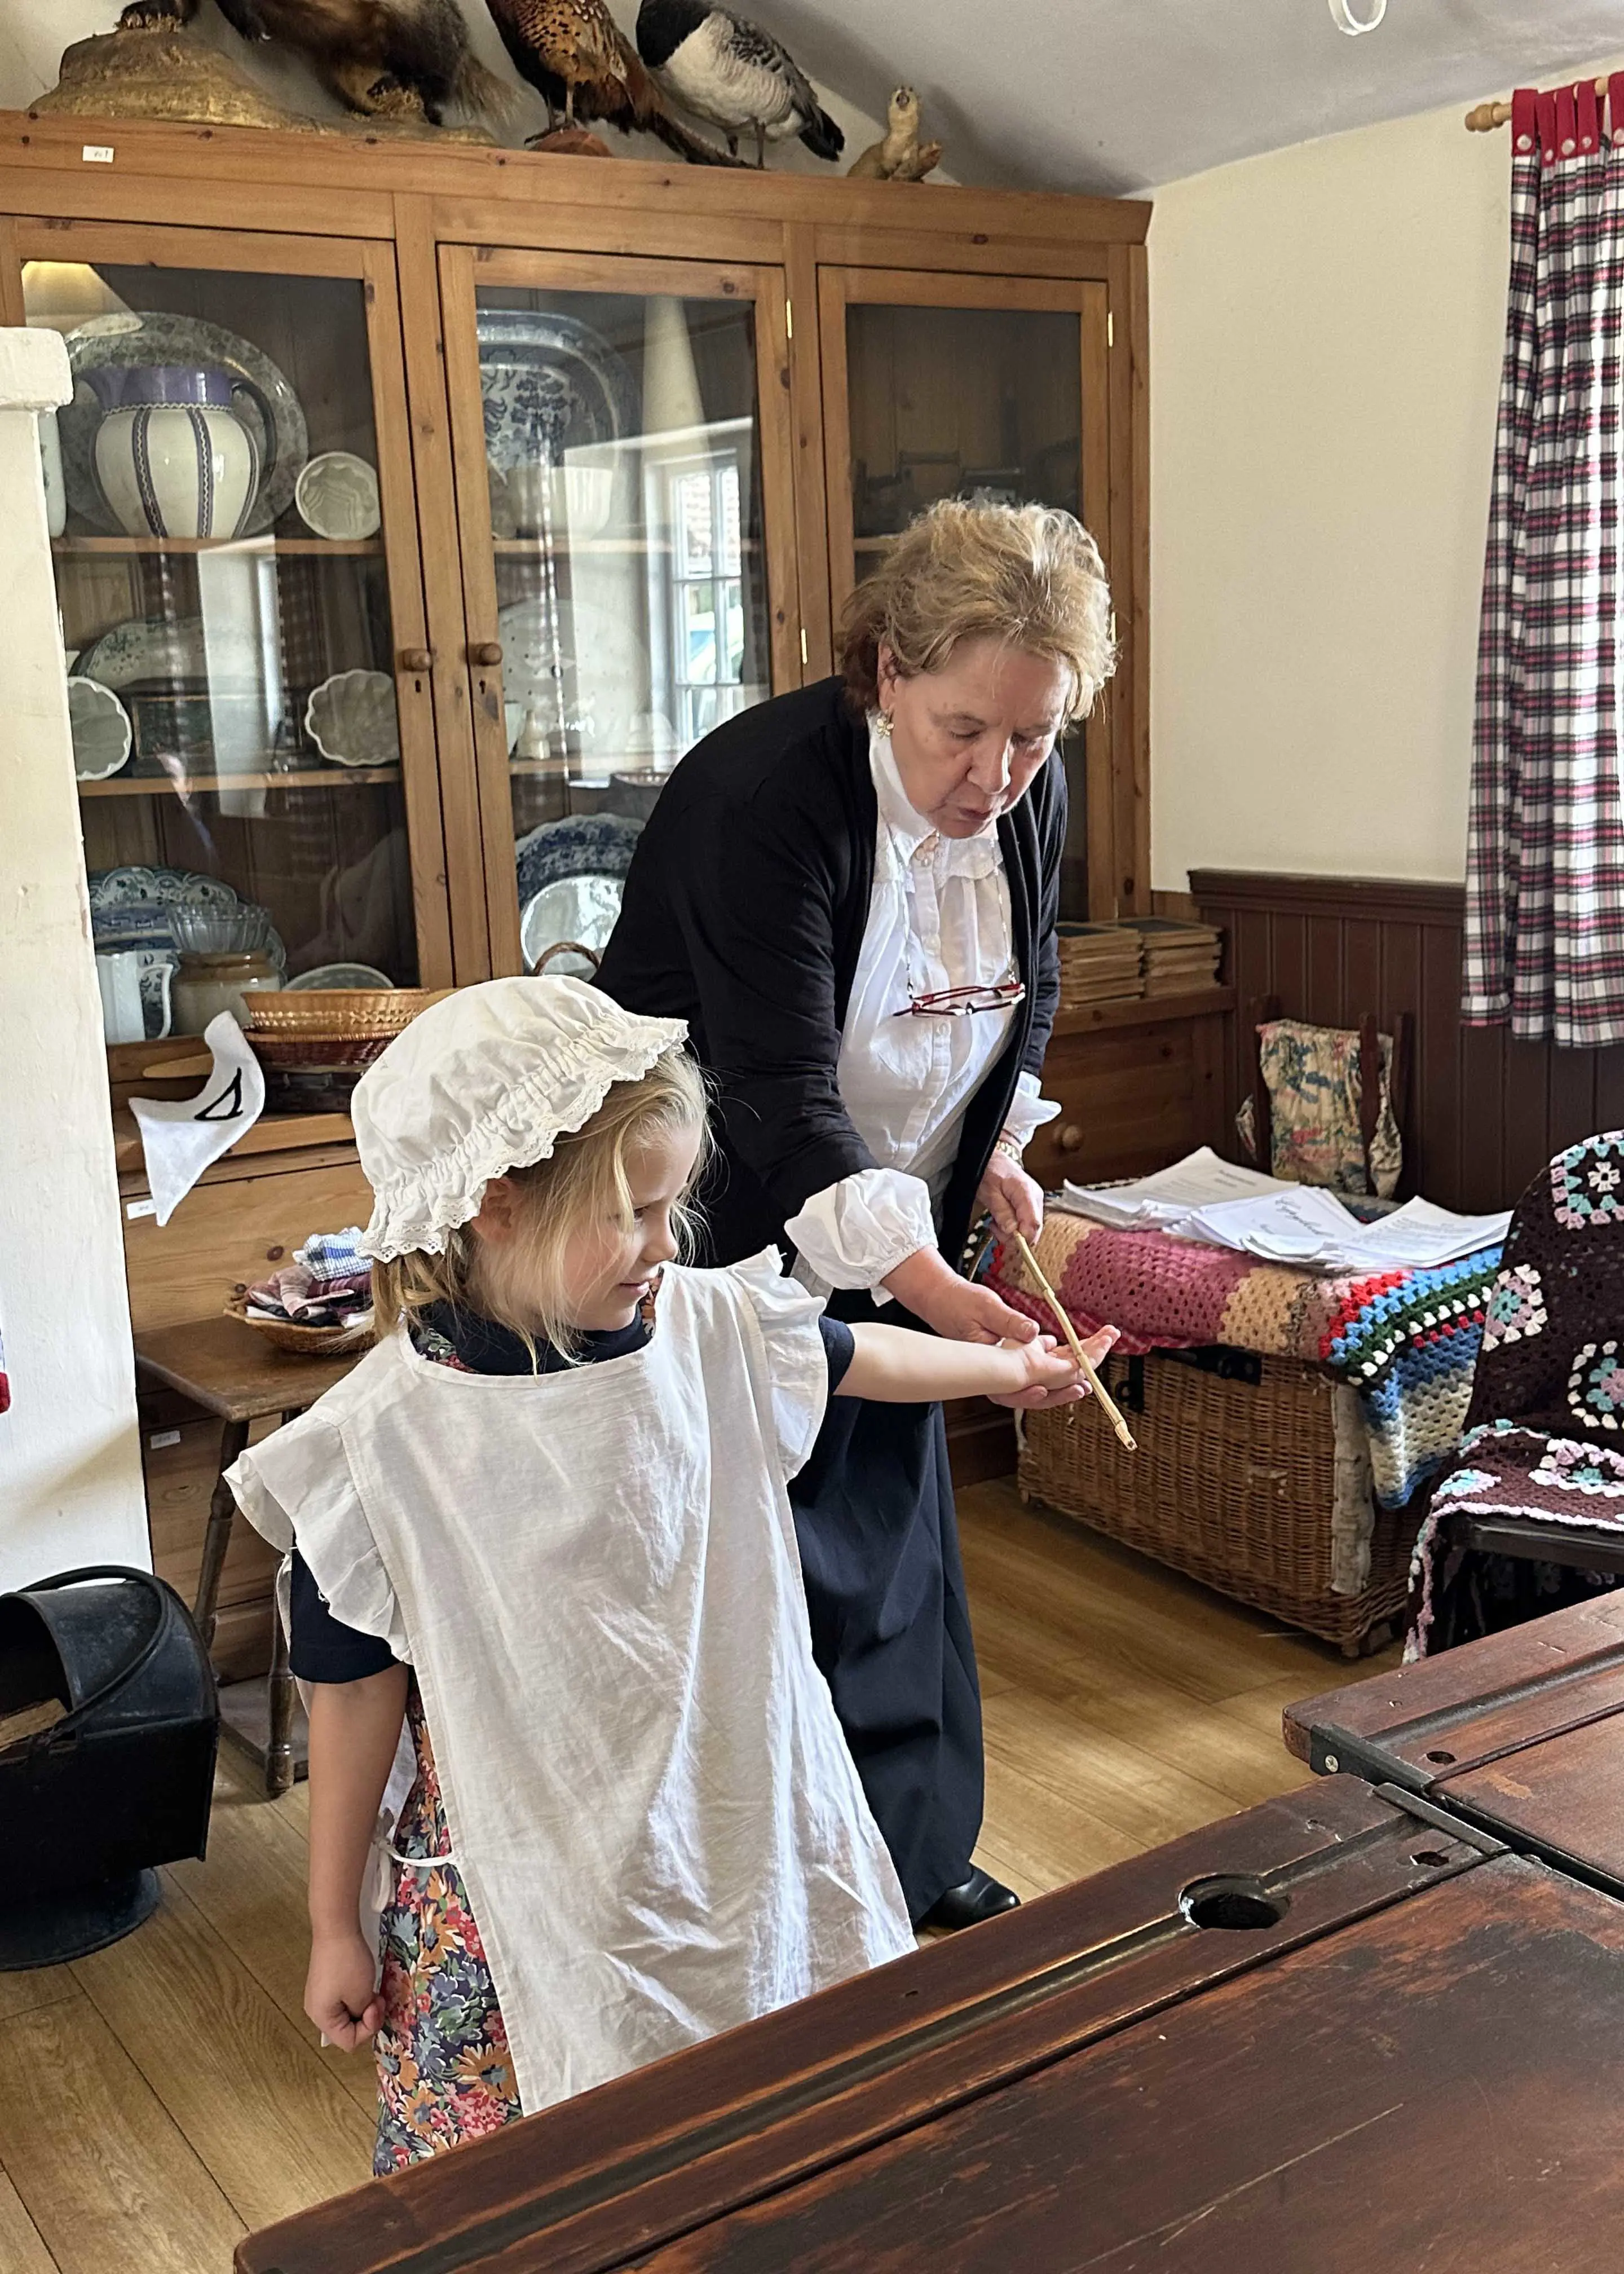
(122, 1780)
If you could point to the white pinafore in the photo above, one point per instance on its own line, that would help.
(594, 1574)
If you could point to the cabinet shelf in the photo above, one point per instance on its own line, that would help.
(306, 547)
(207, 785)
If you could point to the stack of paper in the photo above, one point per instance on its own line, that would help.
(1202, 1197)
(1159, 1202)
(1099, 963)
(1178, 957)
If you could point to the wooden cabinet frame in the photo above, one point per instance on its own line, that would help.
(462, 270)
(26, 238)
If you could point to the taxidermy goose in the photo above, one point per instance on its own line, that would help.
(901, 156)
(725, 69)
(370, 53)
(574, 55)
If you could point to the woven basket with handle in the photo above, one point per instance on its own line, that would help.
(1234, 1484)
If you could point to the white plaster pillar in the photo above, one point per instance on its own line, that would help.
(70, 1451)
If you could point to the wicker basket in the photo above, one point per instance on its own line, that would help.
(1233, 1484)
(339, 1014)
(304, 1342)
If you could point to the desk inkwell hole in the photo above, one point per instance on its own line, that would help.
(1444, 1760)
(1237, 1904)
(1431, 1859)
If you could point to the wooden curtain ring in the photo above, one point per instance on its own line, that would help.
(565, 947)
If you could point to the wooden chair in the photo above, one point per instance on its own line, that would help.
(231, 1371)
(1264, 1010)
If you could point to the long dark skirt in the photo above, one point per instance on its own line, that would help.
(890, 1627)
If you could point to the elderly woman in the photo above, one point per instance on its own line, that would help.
(850, 893)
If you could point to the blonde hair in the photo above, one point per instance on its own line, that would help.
(1029, 575)
(581, 1182)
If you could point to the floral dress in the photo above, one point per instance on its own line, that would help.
(445, 2073)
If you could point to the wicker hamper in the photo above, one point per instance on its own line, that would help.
(1233, 1484)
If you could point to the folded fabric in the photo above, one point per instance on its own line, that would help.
(328, 1283)
(333, 1255)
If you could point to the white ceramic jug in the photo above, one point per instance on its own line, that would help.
(119, 975)
(172, 457)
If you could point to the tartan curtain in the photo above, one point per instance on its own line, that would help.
(1545, 874)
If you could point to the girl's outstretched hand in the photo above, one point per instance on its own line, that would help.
(341, 1993)
(1052, 1378)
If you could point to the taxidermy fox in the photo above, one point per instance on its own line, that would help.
(367, 51)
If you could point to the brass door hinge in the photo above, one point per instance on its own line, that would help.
(789, 320)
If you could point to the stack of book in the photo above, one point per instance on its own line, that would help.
(1099, 963)
(1179, 957)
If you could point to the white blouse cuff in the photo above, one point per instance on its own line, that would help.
(854, 1233)
(1029, 1110)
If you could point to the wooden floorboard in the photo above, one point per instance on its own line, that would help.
(98, 2163)
(161, 2095)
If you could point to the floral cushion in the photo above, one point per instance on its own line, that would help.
(1313, 1077)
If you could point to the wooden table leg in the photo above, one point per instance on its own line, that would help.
(217, 1538)
(279, 1745)
(279, 1749)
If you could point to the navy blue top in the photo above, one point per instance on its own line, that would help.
(321, 1648)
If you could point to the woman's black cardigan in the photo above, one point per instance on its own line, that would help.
(744, 913)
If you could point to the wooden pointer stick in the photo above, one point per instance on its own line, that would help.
(1063, 1319)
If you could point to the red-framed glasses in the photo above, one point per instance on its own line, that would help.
(962, 1002)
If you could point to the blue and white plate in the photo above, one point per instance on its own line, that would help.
(580, 845)
(550, 384)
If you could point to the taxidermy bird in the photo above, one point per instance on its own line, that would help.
(374, 54)
(901, 156)
(725, 69)
(574, 55)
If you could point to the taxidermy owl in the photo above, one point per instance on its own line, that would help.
(574, 54)
(901, 156)
(725, 69)
(376, 55)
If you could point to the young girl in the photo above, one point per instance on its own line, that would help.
(545, 1520)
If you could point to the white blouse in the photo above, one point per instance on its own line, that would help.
(938, 917)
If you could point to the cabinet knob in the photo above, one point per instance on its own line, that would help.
(486, 654)
(416, 660)
(1070, 1138)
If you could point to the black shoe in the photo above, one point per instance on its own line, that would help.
(979, 1897)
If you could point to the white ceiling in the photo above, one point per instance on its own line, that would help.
(1117, 95)
(1110, 95)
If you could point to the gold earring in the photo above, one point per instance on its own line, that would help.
(881, 725)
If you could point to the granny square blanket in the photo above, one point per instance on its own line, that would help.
(1406, 1341)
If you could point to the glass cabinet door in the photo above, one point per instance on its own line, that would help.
(234, 538)
(971, 387)
(623, 465)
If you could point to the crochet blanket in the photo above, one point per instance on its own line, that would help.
(1545, 1431)
(1406, 1341)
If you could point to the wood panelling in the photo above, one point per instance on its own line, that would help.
(1486, 1112)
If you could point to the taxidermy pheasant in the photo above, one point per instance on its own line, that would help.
(901, 156)
(574, 55)
(374, 54)
(725, 69)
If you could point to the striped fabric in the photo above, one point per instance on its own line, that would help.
(1545, 886)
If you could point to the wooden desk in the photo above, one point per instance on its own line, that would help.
(234, 1374)
(1096, 2083)
(1521, 1733)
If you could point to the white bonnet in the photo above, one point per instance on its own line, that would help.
(486, 1080)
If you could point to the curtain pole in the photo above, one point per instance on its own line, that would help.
(1488, 115)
